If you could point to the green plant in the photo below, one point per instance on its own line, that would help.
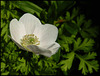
(76, 37)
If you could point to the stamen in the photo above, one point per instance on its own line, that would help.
(30, 39)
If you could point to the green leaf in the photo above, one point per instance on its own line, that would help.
(4, 30)
(74, 12)
(3, 65)
(29, 7)
(22, 66)
(65, 41)
(87, 31)
(90, 56)
(55, 3)
(5, 73)
(3, 15)
(43, 15)
(63, 6)
(84, 34)
(8, 14)
(40, 64)
(46, 2)
(52, 13)
(56, 56)
(71, 28)
(80, 20)
(36, 72)
(2, 23)
(87, 64)
(61, 30)
(68, 16)
(59, 3)
(93, 31)
(2, 3)
(86, 45)
(6, 37)
(46, 66)
(13, 14)
(88, 23)
(66, 64)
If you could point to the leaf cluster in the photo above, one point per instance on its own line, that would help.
(75, 44)
(76, 38)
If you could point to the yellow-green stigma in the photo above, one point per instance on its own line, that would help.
(29, 39)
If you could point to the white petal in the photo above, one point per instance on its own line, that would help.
(17, 30)
(47, 34)
(17, 44)
(31, 22)
(54, 48)
(39, 50)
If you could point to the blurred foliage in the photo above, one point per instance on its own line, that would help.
(76, 37)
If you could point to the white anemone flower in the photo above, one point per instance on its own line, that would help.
(31, 35)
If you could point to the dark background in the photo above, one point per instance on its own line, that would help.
(91, 9)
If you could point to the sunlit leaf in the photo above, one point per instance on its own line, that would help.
(86, 45)
(87, 64)
(66, 64)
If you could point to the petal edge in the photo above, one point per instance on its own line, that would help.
(30, 21)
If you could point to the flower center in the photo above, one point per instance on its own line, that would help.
(29, 40)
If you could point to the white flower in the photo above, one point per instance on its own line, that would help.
(29, 34)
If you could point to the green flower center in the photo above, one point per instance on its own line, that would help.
(29, 39)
